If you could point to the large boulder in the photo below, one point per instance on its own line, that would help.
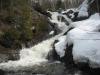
(85, 38)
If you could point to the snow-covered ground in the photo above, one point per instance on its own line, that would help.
(60, 46)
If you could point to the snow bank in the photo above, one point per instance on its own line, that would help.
(83, 9)
(60, 46)
(85, 38)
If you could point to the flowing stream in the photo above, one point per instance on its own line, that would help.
(33, 61)
(35, 58)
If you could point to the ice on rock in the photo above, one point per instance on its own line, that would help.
(92, 24)
(83, 9)
(85, 38)
(60, 46)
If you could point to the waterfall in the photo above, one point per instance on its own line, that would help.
(36, 54)
(31, 56)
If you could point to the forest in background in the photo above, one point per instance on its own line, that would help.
(18, 20)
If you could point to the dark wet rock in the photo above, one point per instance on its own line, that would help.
(68, 58)
(67, 31)
(79, 18)
(53, 26)
(68, 14)
(87, 69)
(73, 15)
(2, 72)
(94, 7)
(52, 55)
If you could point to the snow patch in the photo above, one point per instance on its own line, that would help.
(51, 33)
(83, 9)
(61, 46)
(85, 38)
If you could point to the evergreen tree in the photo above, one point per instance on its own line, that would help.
(19, 18)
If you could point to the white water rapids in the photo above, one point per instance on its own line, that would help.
(38, 53)
(34, 55)
(31, 56)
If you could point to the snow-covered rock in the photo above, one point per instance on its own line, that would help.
(83, 9)
(85, 38)
(79, 13)
(60, 46)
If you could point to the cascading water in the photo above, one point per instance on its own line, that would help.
(36, 54)
(30, 56)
